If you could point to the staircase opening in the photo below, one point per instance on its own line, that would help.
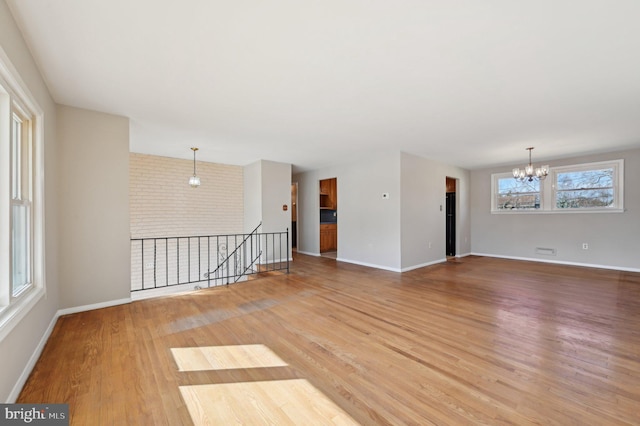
(170, 264)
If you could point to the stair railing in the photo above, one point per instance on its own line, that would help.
(211, 259)
(238, 255)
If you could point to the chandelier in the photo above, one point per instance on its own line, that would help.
(529, 173)
(194, 180)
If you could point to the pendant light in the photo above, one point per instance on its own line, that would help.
(194, 180)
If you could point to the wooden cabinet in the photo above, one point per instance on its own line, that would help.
(328, 194)
(328, 201)
(328, 237)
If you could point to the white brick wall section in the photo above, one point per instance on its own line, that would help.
(164, 205)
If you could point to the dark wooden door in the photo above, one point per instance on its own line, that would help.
(451, 223)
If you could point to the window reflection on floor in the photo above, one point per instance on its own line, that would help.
(226, 357)
(292, 401)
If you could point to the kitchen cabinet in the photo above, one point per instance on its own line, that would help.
(328, 237)
(328, 208)
(329, 194)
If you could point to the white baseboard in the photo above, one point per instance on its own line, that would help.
(165, 291)
(560, 262)
(270, 261)
(308, 253)
(17, 388)
(93, 306)
(422, 265)
(388, 268)
(369, 265)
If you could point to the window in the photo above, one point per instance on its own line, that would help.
(21, 207)
(515, 195)
(20, 203)
(592, 187)
(595, 186)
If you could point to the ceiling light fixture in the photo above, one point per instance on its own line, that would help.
(529, 173)
(194, 180)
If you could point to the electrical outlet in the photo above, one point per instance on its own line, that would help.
(585, 246)
(429, 244)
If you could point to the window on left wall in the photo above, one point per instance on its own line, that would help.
(20, 215)
(21, 199)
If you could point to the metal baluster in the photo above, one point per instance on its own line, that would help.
(178, 260)
(227, 260)
(155, 260)
(142, 258)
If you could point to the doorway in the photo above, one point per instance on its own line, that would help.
(450, 217)
(328, 190)
(294, 215)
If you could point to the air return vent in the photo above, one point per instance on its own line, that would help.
(546, 251)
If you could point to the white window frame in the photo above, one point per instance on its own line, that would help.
(21, 187)
(15, 97)
(548, 190)
(618, 185)
(494, 192)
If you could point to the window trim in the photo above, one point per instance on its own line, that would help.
(22, 189)
(548, 191)
(495, 177)
(15, 96)
(618, 185)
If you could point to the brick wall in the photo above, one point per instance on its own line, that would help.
(164, 205)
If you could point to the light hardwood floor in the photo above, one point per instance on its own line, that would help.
(471, 341)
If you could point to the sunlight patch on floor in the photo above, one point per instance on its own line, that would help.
(226, 357)
(281, 402)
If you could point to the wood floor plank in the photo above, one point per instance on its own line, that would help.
(471, 341)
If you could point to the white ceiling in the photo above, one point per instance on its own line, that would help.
(319, 82)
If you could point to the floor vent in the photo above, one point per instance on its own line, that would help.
(546, 251)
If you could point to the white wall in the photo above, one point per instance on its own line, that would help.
(309, 211)
(267, 188)
(95, 264)
(368, 226)
(276, 192)
(423, 210)
(19, 349)
(613, 238)
(388, 233)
